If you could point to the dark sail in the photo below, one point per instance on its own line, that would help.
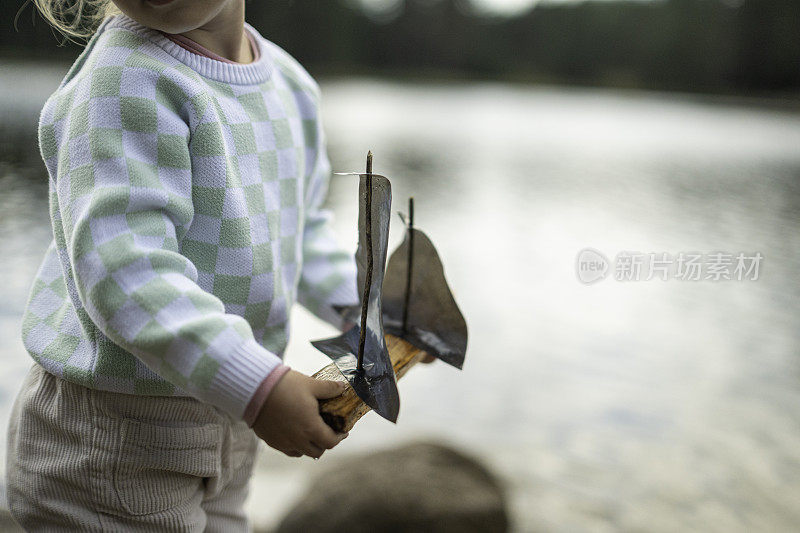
(375, 384)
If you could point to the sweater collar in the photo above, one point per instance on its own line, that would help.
(256, 72)
(194, 46)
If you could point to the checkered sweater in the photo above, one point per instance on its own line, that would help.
(185, 200)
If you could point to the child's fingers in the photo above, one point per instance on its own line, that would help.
(326, 437)
(312, 450)
(327, 389)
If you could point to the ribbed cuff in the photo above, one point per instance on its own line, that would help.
(262, 393)
(238, 378)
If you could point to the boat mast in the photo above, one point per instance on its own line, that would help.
(368, 281)
(410, 264)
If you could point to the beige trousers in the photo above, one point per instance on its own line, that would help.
(86, 460)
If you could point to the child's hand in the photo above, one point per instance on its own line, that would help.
(289, 421)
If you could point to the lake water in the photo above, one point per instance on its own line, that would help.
(640, 405)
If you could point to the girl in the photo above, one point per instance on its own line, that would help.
(187, 168)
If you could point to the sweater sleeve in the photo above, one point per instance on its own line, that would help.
(328, 277)
(123, 182)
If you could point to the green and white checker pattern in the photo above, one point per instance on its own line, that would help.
(185, 201)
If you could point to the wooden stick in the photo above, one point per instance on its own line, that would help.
(341, 413)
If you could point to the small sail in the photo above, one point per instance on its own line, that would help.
(376, 384)
(433, 321)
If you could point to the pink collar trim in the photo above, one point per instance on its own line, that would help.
(196, 48)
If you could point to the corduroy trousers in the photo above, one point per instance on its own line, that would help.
(86, 460)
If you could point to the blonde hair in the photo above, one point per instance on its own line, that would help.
(75, 19)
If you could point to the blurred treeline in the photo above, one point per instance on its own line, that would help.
(723, 46)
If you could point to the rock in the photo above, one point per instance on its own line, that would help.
(418, 487)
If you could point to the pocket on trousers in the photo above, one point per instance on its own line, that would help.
(161, 467)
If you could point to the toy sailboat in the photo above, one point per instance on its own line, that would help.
(411, 299)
